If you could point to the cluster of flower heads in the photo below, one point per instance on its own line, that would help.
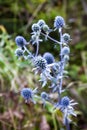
(46, 66)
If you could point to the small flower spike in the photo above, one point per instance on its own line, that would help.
(59, 22)
(19, 52)
(66, 106)
(20, 41)
(41, 23)
(44, 97)
(65, 51)
(48, 57)
(28, 94)
(35, 27)
(66, 38)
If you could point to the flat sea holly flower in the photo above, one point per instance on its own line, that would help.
(41, 23)
(28, 94)
(59, 22)
(20, 41)
(47, 30)
(35, 27)
(66, 38)
(48, 57)
(65, 50)
(66, 106)
(40, 63)
(19, 52)
(45, 97)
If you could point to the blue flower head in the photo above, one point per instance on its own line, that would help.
(65, 50)
(41, 23)
(66, 37)
(46, 28)
(27, 93)
(66, 58)
(65, 101)
(44, 96)
(20, 41)
(59, 22)
(40, 62)
(48, 57)
(19, 52)
(35, 27)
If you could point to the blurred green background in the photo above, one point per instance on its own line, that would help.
(16, 18)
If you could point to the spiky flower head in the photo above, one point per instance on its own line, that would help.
(48, 57)
(35, 27)
(66, 58)
(44, 95)
(66, 37)
(59, 22)
(65, 50)
(46, 28)
(40, 62)
(19, 52)
(65, 101)
(41, 23)
(27, 93)
(20, 41)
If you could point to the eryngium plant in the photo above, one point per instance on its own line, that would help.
(47, 67)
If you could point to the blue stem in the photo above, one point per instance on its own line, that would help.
(50, 38)
(61, 66)
(67, 124)
(37, 49)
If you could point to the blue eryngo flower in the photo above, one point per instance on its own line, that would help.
(66, 58)
(48, 57)
(19, 52)
(40, 63)
(44, 97)
(65, 50)
(35, 27)
(20, 41)
(66, 38)
(59, 22)
(66, 106)
(65, 101)
(41, 23)
(28, 94)
(46, 28)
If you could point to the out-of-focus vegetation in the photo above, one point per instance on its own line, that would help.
(16, 18)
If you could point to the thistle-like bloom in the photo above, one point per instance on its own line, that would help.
(20, 41)
(46, 28)
(45, 97)
(66, 38)
(48, 57)
(65, 50)
(41, 23)
(35, 27)
(19, 52)
(59, 22)
(40, 63)
(28, 94)
(66, 58)
(66, 106)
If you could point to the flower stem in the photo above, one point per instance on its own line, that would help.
(50, 38)
(67, 124)
(37, 49)
(61, 65)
